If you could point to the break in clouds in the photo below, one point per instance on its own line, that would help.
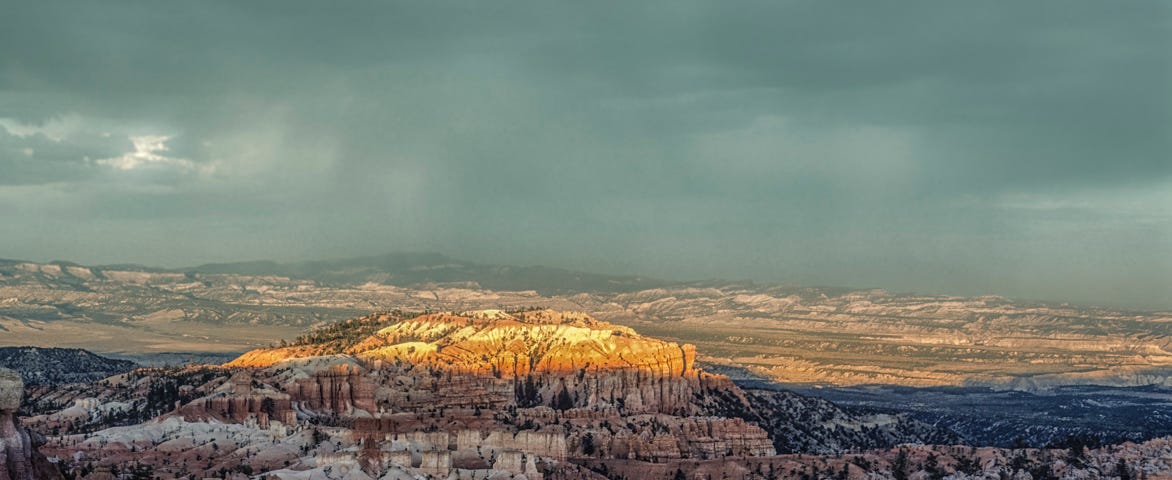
(970, 148)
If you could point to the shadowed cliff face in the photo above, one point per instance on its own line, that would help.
(15, 445)
(19, 458)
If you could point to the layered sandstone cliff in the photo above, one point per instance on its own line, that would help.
(558, 359)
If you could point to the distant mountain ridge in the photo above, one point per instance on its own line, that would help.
(396, 269)
(409, 269)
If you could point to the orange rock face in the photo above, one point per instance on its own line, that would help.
(595, 364)
(509, 346)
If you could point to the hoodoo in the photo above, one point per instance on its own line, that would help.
(18, 454)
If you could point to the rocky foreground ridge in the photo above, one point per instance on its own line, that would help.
(533, 394)
(485, 394)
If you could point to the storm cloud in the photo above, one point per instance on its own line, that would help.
(1013, 148)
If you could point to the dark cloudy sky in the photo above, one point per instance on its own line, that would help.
(1016, 148)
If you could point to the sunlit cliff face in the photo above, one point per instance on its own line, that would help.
(507, 345)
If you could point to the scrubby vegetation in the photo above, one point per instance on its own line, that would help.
(337, 337)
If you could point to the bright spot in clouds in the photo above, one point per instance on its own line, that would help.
(147, 150)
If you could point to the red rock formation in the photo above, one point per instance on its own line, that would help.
(597, 364)
(241, 409)
(340, 389)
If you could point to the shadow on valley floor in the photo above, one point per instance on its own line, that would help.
(981, 416)
(163, 359)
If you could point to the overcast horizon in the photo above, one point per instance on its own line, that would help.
(1022, 150)
(928, 292)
